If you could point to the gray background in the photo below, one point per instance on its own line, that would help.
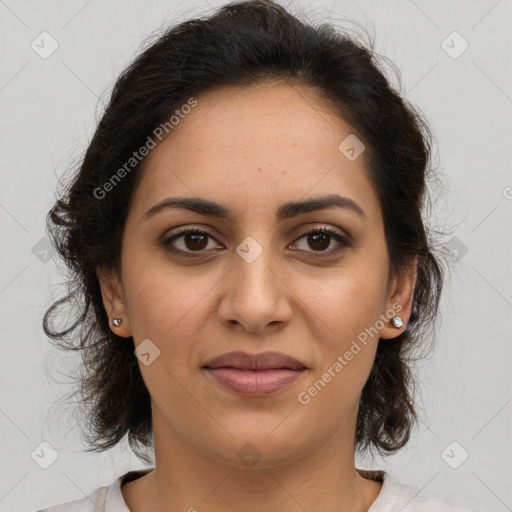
(49, 109)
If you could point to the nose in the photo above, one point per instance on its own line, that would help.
(255, 294)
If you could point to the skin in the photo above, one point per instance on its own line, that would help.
(252, 149)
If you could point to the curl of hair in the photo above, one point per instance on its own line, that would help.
(242, 44)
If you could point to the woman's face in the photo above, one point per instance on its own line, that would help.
(252, 280)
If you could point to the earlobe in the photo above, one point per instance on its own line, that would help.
(400, 301)
(114, 303)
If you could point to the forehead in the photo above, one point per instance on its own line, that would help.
(256, 146)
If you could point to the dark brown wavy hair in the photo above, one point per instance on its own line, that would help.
(242, 44)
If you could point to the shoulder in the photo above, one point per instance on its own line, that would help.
(396, 495)
(103, 499)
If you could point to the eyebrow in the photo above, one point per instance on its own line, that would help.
(285, 211)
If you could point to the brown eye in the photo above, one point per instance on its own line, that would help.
(320, 239)
(189, 240)
(195, 241)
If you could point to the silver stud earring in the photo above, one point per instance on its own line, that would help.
(116, 322)
(397, 321)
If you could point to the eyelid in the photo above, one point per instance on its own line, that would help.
(342, 237)
(180, 230)
(344, 240)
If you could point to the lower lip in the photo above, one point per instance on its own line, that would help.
(254, 382)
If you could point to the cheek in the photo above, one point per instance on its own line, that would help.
(167, 305)
(347, 301)
(155, 293)
(346, 307)
(336, 384)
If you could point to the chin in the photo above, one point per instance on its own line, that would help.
(254, 448)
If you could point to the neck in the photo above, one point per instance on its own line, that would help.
(185, 479)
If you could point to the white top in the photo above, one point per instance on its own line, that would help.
(394, 495)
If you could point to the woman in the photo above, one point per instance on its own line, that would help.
(246, 231)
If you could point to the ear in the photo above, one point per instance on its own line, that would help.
(399, 300)
(113, 300)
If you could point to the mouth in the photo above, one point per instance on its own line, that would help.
(255, 375)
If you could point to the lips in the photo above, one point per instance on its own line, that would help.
(263, 361)
(254, 375)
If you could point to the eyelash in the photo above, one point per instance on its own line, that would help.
(343, 240)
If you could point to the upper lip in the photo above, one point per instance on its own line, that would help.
(262, 361)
